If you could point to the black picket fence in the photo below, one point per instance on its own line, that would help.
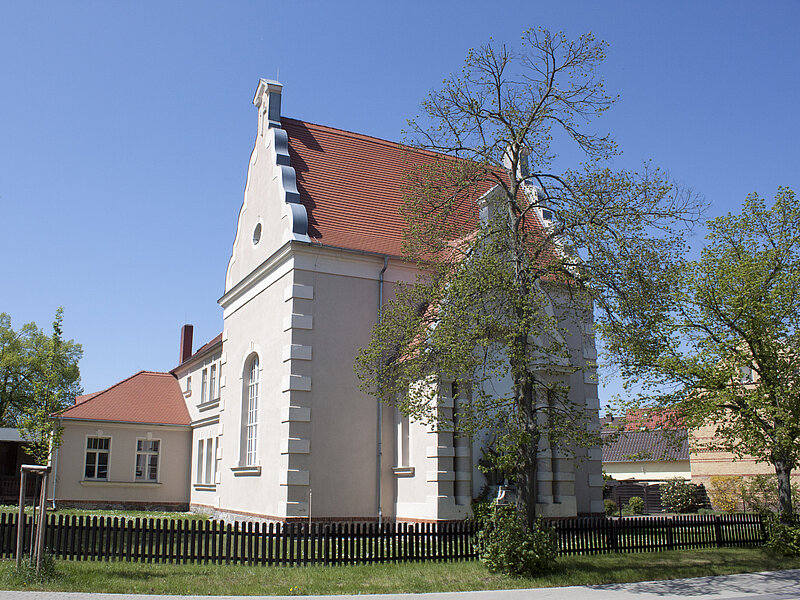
(292, 544)
(653, 534)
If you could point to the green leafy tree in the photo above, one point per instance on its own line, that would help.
(726, 352)
(514, 253)
(39, 375)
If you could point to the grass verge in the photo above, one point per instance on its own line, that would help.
(122, 514)
(124, 577)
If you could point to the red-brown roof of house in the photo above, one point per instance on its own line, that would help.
(351, 185)
(145, 397)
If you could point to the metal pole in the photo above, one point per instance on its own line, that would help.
(21, 519)
(40, 528)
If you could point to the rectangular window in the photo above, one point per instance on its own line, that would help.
(199, 475)
(204, 387)
(213, 387)
(97, 450)
(217, 459)
(147, 460)
(188, 385)
(209, 461)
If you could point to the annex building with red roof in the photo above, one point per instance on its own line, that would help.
(267, 421)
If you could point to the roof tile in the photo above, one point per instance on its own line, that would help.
(146, 397)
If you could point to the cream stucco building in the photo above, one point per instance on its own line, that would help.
(276, 427)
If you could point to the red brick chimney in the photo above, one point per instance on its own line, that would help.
(186, 343)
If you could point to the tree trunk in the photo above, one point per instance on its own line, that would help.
(783, 470)
(527, 489)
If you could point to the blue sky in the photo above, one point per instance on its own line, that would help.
(125, 130)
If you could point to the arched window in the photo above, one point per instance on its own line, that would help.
(251, 415)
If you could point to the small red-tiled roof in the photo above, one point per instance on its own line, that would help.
(145, 397)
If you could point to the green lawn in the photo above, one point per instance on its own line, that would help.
(121, 577)
(122, 514)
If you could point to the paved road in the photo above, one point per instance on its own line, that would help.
(776, 585)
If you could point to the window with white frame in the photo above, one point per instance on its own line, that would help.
(217, 457)
(206, 470)
(199, 461)
(188, 390)
(209, 467)
(147, 452)
(403, 449)
(214, 389)
(204, 386)
(97, 451)
(251, 432)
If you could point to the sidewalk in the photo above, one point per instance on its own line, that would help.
(775, 585)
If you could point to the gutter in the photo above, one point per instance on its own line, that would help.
(379, 457)
(55, 467)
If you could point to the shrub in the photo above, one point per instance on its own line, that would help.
(611, 507)
(506, 545)
(26, 574)
(679, 496)
(725, 492)
(636, 506)
(782, 537)
(760, 494)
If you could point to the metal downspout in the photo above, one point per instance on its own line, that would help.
(380, 404)
(55, 467)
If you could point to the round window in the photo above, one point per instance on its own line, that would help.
(257, 234)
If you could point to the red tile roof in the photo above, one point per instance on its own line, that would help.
(351, 185)
(145, 397)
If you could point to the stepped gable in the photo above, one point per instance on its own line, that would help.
(146, 397)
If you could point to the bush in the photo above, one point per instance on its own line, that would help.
(760, 494)
(725, 492)
(782, 537)
(505, 544)
(636, 506)
(26, 574)
(481, 510)
(679, 496)
(611, 507)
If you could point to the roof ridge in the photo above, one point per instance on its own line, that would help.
(95, 395)
(369, 138)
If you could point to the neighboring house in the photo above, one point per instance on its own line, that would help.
(707, 462)
(128, 446)
(12, 457)
(279, 429)
(647, 456)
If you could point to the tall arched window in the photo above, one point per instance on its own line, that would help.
(251, 433)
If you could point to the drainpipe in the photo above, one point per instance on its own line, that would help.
(380, 404)
(55, 468)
